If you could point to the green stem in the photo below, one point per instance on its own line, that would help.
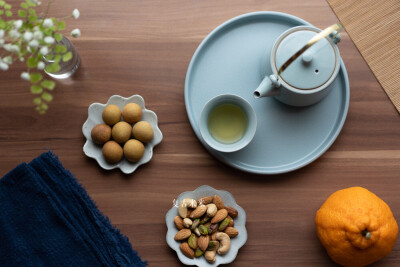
(366, 234)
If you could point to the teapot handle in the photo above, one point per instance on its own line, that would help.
(335, 37)
(268, 87)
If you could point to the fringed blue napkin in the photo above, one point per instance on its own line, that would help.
(47, 219)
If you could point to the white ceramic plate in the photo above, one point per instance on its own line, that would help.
(94, 117)
(240, 225)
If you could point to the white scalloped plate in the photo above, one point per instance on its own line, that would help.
(240, 225)
(94, 117)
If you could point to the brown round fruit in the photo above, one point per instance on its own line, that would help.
(132, 113)
(112, 152)
(121, 132)
(142, 131)
(111, 114)
(101, 133)
(133, 150)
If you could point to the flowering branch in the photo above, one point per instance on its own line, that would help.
(36, 41)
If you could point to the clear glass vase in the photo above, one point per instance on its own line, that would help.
(66, 68)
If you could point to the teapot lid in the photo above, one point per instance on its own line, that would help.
(311, 69)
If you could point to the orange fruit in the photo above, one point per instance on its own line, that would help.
(356, 227)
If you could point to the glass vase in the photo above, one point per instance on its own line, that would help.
(66, 68)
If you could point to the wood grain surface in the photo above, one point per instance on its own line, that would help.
(144, 47)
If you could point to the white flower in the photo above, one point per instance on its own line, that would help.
(3, 66)
(47, 23)
(14, 34)
(1, 43)
(76, 13)
(14, 48)
(25, 76)
(7, 60)
(18, 24)
(44, 50)
(7, 47)
(1, 34)
(41, 65)
(76, 33)
(49, 40)
(33, 44)
(28, 36)
(38, 35)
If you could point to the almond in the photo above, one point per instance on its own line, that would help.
(182, 234)
(178, 222)
(186, 250)
(231, 232)
(189, 211)
(218, 202)
(231, 222)
(221, 214)
(198, 212)
(203, 242)
(232, 212)
(204, 200)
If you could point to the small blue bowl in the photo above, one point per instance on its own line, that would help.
(251, 123)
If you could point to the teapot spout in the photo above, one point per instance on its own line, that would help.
(268, 87)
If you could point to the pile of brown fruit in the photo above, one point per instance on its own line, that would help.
(121, 132)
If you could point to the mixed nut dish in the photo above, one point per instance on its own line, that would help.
(205, 227)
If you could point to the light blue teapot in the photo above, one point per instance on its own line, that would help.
(309, 77)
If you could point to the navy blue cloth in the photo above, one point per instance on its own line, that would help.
(48, 219)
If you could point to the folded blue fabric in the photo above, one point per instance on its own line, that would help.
(47, 219)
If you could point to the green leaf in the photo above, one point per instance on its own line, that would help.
(7, 6)
(63, 49)
(32, 12)
(2, 3)
(36, 89)
(57, 58)
(53, 68)
(32, 62)
(48, 84)
(58, 48)
(32, 18)
(2, 24)
(58, 37)
(8, 13)
(49, 57)
(30, 3)
(44, 106)
(47, 97)
(36, 77)
(67, 56)
(24, 5)
(1, 12)
(37, 100)
(61, 25)
(22, 13)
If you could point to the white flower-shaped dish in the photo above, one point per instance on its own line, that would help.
(240, 225)
(95, 117)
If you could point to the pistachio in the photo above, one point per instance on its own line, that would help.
(213, 245)
(207, 224)
(195, 223)
(205, 219)
(212, 228)
(203, 230)
(187, 222)
(192, 241)
(197, 231)
(198, 253)
(223, 224)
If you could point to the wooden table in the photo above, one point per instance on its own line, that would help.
(144, 47)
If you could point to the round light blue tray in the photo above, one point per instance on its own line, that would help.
(233, 59)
